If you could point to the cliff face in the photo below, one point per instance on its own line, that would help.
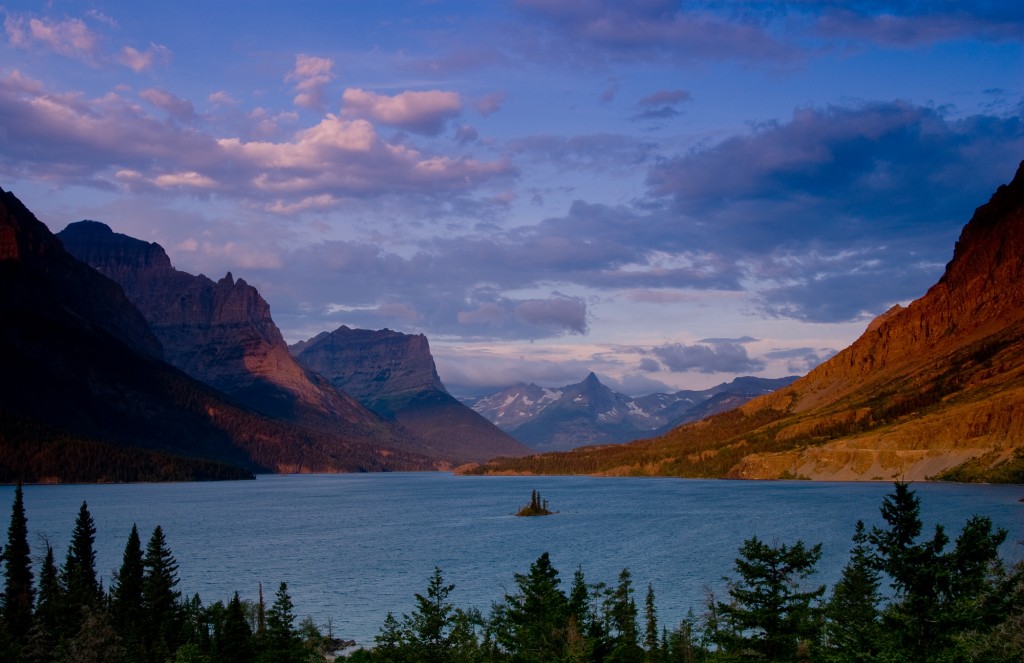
(372, 366)
(394, 375)
(218, 332)
(934, 389)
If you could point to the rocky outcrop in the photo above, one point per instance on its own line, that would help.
(393, 374)
(219, 332)
(373, 366)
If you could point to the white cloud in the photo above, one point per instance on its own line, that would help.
(419, 112)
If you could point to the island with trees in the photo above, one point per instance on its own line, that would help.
(536, 507)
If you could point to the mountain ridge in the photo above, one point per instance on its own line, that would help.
(588, 412)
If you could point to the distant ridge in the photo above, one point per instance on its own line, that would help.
(563, 418)
(932, 390)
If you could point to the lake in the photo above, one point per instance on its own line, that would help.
(352, 547)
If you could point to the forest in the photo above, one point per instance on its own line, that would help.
(902, 596)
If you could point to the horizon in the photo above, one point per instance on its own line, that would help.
(670, 195)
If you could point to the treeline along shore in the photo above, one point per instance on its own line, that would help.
(902, 596)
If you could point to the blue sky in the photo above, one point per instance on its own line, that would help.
(670, 194)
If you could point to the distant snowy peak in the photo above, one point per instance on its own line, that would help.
(590, 413)
(517, 404)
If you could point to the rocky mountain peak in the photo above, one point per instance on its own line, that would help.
(218, 332)
(372, 365)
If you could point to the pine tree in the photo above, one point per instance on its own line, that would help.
(853, 627)
(621, 614)
(233, 641)
(19, 593)
(651, 642)
(769, 614)
(126, 606)
(79, 585)
(50, 604)
(281, 643)
(532, 624)
(160, 599)
(935, 593)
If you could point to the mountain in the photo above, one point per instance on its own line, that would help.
(86, 396)
(563, 418)
(931, 390)
(219, 332)
(393, 374)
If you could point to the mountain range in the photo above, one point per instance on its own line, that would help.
(563, 418)
(931, 390)
(118, 367)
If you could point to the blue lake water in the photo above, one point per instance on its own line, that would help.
(352, 547)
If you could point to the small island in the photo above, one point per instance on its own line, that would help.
(536, 507)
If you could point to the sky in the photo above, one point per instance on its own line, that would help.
(668, 194)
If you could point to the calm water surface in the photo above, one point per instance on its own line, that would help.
(353, 547)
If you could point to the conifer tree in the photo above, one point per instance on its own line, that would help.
(769, 613)
(79, 585)
(126, 606)
(233, 641)
(853, 628)
(19, 593)
(160, 599)
(49, 604)
(281, 643)
(532, 624)
(651, 642)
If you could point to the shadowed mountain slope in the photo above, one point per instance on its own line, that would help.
(85, 395)
(935, 389)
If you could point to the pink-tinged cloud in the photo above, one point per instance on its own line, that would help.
(139, 61)
(176, 107)
(420, 112)
(311, 76)
(70, 37)
(111, 142)
(490, 104)
(488, 313)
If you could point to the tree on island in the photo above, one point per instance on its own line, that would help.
(536, 507)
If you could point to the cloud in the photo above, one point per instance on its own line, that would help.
(657, 31)
(824, 207)
(487, 313)
(914, 24)
(176, 107)
(70, 37)
(311, 76)
(711, 356)
(800, 360)
(665, 98)
(139, 61)
(108, 141)
(491, 103)
(419, 112)
(568, 313)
